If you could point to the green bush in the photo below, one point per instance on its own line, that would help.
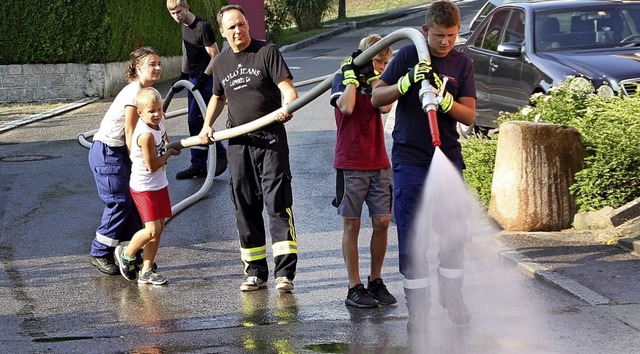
(608, 126)
(308, 14)
(90, 31)
(277, 19)
(479, 156)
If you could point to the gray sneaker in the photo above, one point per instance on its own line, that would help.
(284, 284)
(252, 284)
(151, 277)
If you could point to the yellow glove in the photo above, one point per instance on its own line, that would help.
(418, 73)
(446, 103)
(350, 70)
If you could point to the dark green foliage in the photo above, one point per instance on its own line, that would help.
(90, 31)
(609, 129)
(479, 156)
(277, 18)
(308, 14)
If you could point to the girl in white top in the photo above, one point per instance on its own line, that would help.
(109, 161)
(149, 187)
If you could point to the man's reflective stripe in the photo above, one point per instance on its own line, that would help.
(292, 228)
(451, 273)
(415, 283)
(284, 247)
(106, 240)
(253, 254)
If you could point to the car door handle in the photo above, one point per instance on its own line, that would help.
(493, 66)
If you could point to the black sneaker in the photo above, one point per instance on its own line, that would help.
(379, 291)
(192, 172)
(106, 264)
(221, 165)
(359, 297)
(127, 268)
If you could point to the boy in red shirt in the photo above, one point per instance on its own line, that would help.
(363, 171)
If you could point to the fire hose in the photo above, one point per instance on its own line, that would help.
(428, 94)
(429, 98)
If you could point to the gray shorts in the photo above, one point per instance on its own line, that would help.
(355, 187)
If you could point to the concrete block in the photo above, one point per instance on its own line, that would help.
(535, 166)
(625, 213)
(593, 220)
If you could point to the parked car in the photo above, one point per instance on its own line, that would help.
(524, 48)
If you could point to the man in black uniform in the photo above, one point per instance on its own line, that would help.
(253, 79)
(199, 48)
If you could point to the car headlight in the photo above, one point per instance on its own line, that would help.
(580, 84)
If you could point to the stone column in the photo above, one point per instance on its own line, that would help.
(535, 166)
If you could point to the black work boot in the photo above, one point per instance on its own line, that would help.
(450, 297)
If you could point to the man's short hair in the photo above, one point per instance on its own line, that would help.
(228, 8)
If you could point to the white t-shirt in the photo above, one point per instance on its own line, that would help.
(141, 179)
(111, 130)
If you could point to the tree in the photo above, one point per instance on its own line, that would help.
(342, 8)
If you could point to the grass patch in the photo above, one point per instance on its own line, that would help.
(356, 10)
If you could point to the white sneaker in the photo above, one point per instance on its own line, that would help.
(253, 284)
(284, 284)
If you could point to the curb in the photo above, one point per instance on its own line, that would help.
(537, 271)
(49, 114)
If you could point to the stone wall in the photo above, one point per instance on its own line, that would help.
(68, 82)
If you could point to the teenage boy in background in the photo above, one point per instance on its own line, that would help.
(199, 49)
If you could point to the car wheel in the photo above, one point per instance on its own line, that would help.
(466, 130)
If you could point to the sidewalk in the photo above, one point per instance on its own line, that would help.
(581, 263)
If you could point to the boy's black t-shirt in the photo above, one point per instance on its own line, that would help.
(411, 133)
(195, 37)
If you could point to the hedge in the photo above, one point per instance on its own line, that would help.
(90, 31)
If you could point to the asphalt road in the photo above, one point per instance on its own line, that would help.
(53, 300)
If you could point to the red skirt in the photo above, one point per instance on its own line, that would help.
(153, 205)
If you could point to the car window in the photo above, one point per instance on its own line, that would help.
(491, 37)
(485, 9)
(515, 29)
(596, 27)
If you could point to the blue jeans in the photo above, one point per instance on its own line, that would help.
(120, 219)
(195, 119)
(408, 183)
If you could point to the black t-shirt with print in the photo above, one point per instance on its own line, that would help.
(249, 79)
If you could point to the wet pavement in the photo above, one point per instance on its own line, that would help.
(561, 292)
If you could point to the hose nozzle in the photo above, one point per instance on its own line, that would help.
(429, 99)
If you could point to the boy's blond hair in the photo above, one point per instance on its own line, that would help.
(146, 96)
(368, 41)
(173, 4)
